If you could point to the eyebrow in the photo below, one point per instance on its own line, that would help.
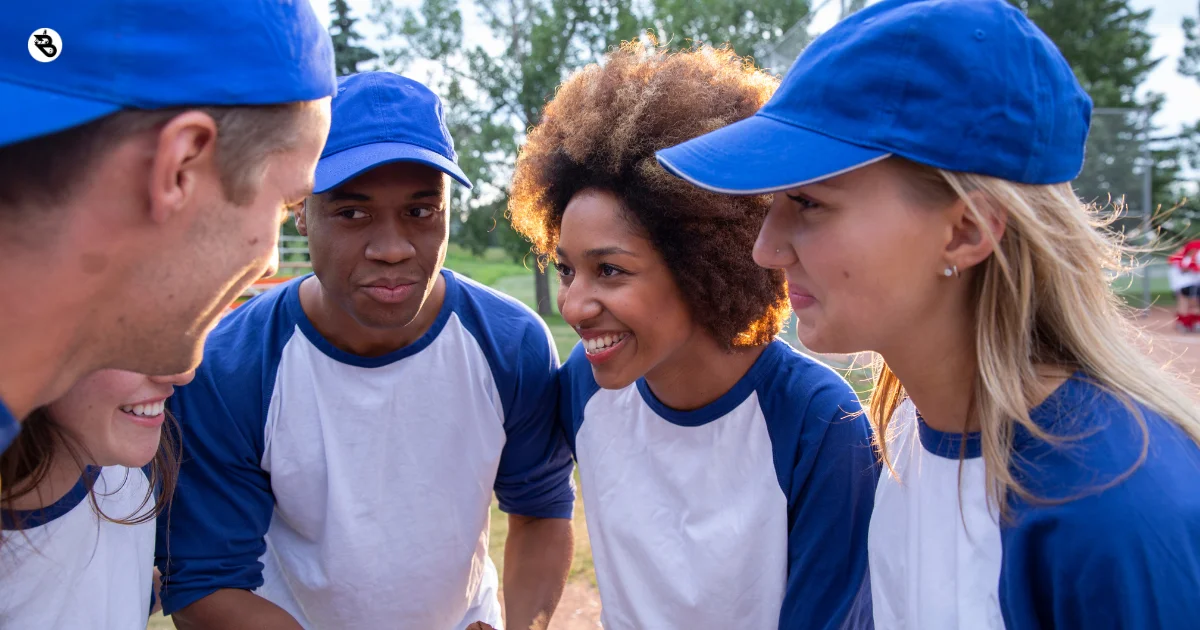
(598, 252)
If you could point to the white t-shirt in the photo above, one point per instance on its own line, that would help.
(68, 568)
(349, 490)
(1101, 547)
(749, 513)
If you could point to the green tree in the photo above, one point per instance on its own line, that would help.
(1184, 220)
(496, 90)
(1108, 46)
(347, 53)
(750, 27)
(493, 93)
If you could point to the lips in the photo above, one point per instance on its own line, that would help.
(390, 292)
(600, 346)
(148, 414)
(801, 299)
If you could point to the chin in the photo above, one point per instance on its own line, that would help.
(608, 378)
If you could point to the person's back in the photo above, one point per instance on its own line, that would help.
(144, 162)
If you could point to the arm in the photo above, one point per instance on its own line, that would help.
(537, 558)
(1102, 563)
(233, 609)
(212, 534)
(534, 486)
(832, 495)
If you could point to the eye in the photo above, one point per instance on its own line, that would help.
(609, 271)
(421, 212)
(351, 213)
(563, 270)
(805, 203)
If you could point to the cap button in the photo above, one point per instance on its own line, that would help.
(980, 35)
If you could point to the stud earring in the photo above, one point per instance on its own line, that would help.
(951, 270)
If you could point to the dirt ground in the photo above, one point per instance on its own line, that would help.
(1179, 352)
(579, 608)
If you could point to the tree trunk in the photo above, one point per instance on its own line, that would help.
(541, 287)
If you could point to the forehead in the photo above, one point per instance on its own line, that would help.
(595, 218)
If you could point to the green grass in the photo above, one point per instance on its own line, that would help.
(486, 269)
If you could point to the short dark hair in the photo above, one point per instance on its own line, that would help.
(601, 131)
(47, 170)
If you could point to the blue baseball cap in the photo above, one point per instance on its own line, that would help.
(963, 85)
(69, 62)
(382, 117)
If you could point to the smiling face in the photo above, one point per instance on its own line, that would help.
(116, 416)
(617, 292)
(863, 256)
(378, 242)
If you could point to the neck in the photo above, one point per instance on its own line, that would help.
(939, 370)
(346, 334)
(63, 474)
(48, 312)
(699, 373)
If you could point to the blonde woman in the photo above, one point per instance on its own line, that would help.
(1042, 473)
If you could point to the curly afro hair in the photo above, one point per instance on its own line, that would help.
(601, 132)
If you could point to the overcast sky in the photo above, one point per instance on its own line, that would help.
(1183, 94)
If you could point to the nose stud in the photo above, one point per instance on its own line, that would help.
(777, 250)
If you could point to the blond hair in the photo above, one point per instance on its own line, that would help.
(1042, 299)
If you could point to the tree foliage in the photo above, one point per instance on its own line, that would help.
(347, 53)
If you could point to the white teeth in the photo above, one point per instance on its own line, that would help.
(148, 411)
(596, 344)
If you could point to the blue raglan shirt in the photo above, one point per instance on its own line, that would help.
(750, 512)
(348, 489)
(1103, 545)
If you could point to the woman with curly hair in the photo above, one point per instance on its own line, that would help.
(728, 478)
(84, 482)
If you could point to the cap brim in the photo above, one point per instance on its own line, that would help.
(761, 155)
(336, 169)
(27, 113)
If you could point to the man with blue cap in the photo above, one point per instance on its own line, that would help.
(1040, 468)
(346, 431)
(147, 150)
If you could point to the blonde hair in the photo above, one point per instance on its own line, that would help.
(1042, 299)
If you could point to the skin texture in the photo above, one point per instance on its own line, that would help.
(613, 282)
(865, 257)
(389, 228)
(91, 416)
(174, 253)
(385, 228)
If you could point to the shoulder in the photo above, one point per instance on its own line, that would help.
(241, 358)
(798, 385)
(498, 322)
(576, 380)
(1110, 465)
(250, 331)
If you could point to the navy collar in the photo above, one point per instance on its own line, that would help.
(727, 402)
(28, 519)
(296, 311)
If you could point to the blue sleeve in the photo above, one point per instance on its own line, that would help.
(576, 385)
(534, 475)
(827, 469)
(1125, 557)
(534, 478)
(212, 534)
